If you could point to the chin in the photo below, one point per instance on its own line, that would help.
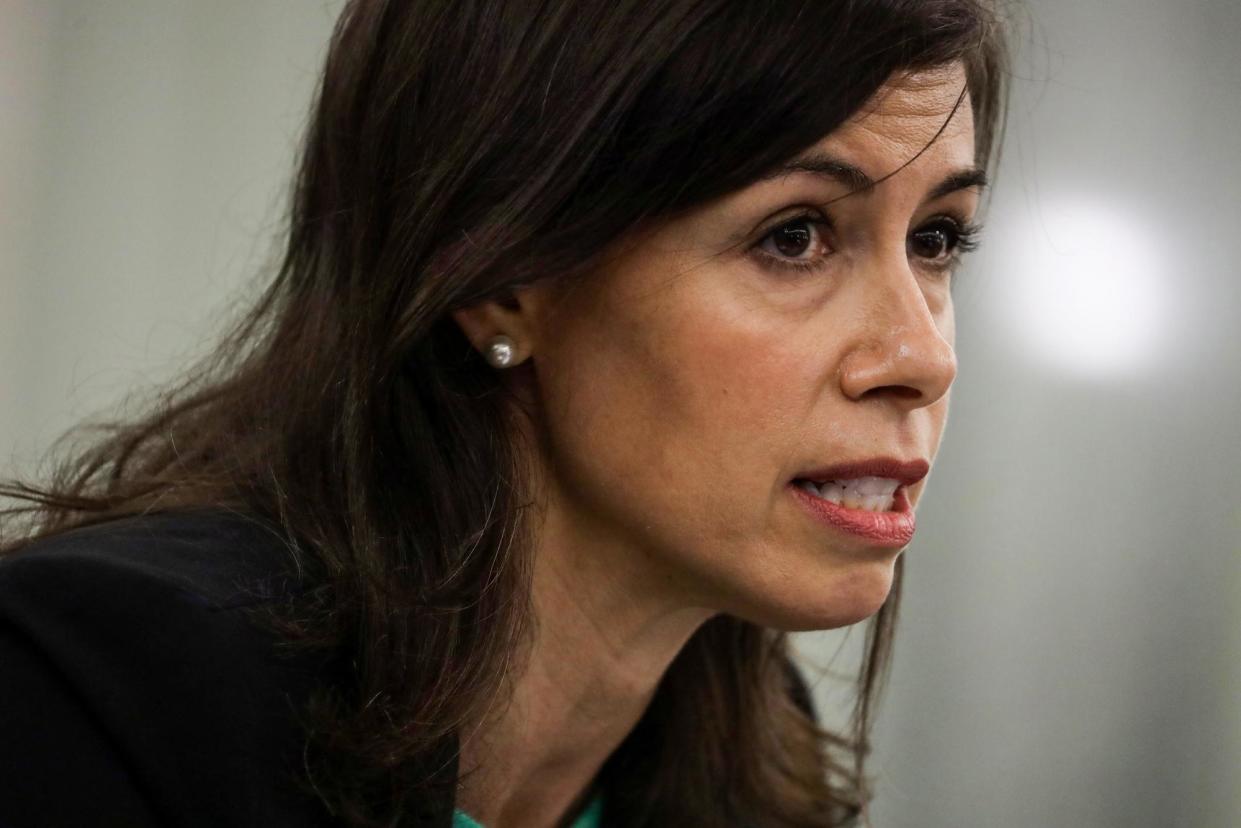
(838, 600)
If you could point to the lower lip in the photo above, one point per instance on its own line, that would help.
(893, 529)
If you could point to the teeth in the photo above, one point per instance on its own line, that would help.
(866, 486)
(872, 494)
(833, 491)
(874, 503)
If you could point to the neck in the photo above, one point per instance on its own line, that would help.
(604, 635)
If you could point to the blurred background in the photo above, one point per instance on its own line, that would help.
(1069, 650)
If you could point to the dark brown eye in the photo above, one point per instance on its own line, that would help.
(942, 241)
(935, 242)
(792, 239)
(799, 240)
(800, 243)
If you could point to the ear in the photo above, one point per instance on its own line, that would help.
(512, 317)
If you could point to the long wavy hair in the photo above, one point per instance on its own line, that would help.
(456, 151)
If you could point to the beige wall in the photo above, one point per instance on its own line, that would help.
(1071, 639)
(144, 147)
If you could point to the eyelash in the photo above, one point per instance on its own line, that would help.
(967, 239)
(816, 221)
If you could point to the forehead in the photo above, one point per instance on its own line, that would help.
(924, 114)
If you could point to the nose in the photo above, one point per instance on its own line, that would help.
(902, 354)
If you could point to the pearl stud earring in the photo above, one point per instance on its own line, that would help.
(500, 352)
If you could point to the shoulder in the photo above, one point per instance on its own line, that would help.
(213, 554)
(128, 647)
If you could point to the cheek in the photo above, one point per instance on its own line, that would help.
(746, 389)
(678, 421)
(947, 322)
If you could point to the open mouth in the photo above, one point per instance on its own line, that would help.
(878, 513)
(868, 494)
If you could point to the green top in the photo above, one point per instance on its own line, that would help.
(590, 818)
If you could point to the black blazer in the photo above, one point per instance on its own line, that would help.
(135, 691)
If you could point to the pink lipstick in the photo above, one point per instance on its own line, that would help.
(891, 529)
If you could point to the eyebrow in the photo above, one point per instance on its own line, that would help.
(962, 180)
(856, 180)
(825, 166)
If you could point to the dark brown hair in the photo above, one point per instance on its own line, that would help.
(457, 150)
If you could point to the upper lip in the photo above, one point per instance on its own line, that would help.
(908, 472)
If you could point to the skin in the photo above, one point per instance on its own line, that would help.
(673, 398)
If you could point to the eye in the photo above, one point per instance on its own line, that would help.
(797, 243)
(941, 241)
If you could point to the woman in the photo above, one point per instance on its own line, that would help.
(613, 341)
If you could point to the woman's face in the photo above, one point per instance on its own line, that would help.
(685, 394)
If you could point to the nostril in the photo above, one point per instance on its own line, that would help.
(904, 392)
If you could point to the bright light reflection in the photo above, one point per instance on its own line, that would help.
(1088, 294)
